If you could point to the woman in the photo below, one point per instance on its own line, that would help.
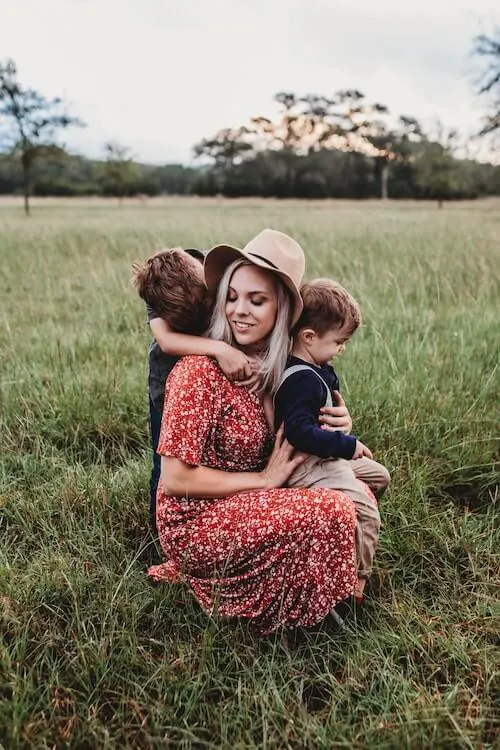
(247, 547)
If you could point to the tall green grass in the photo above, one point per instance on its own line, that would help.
(92, 655)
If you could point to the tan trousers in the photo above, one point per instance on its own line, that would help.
(346, 476)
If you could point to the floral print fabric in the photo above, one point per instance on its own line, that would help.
(278, 557)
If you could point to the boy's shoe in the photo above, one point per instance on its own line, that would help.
(346, 611)
(341, 612)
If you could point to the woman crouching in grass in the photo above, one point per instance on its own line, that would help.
(247, 547)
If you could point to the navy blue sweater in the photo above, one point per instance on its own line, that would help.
(298, 403)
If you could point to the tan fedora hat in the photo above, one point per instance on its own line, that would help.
(270, 249)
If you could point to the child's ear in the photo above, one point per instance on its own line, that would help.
(307, 335)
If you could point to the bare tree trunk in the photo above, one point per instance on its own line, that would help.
(26, 191)
(384, 181)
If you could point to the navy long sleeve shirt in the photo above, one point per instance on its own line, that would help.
(297, 404)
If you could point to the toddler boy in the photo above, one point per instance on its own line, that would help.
(337, 460)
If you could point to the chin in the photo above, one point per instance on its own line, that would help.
(245, 340)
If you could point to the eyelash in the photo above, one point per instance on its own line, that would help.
(257, 304)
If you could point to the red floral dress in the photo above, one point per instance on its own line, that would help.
(278, 557)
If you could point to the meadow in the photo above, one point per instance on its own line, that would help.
(92, 655)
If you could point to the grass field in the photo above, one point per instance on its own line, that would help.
(92, 655)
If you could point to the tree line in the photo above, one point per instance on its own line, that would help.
(62, 174)
(338, 146)
(341, 147)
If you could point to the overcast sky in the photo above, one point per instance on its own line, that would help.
(159, 75)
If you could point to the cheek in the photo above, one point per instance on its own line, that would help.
(268, 316)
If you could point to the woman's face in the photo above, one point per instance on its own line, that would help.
(251, 306)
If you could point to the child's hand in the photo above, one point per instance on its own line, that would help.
(234, 364)
(361, 450)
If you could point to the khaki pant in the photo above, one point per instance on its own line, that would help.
(346, 476)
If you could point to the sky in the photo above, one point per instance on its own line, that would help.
(157, 76)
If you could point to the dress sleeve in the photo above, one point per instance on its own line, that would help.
(190, 409)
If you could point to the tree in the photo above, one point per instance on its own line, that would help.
(488, 48)
(120, 170)
(226, 149)
(29, 123)
(363, 127)
(438, 174)
(344, 122)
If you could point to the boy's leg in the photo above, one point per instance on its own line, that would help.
(154, 425)
(372, 473)
(309, 474)
(338, 474)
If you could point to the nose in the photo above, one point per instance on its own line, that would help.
(241, 306)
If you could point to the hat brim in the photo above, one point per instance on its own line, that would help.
(221, 256)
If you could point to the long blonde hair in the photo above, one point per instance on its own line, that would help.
(272, 359)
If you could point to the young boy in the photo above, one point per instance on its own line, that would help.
(178, 307)
(337, 460)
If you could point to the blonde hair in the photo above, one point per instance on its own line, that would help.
(272, 360)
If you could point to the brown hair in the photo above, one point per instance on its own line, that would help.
(172, 285)
(327, 305)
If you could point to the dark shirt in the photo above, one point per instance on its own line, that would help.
(160, 367)
(297, 404)
(161, 364)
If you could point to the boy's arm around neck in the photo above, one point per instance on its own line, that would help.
(183, 344)
(234, 364)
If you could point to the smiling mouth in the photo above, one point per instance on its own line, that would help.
(240, 326)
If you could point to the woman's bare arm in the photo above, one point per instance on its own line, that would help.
(178, 479)
(181, 480)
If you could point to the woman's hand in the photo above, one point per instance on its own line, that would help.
(234, 364)
(282, 462)
(336, 417)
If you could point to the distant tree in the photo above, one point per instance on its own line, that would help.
(346, 122)
(488, 48)
(364, 127)
(226, 149)
(29, 123)
(304, 125)
(393, 145)
(120, 171)
(174, 179)
(438, 174)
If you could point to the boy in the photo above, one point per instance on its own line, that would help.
(178, 307)
(337, 460)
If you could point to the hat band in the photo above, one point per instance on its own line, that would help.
(269, 263)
